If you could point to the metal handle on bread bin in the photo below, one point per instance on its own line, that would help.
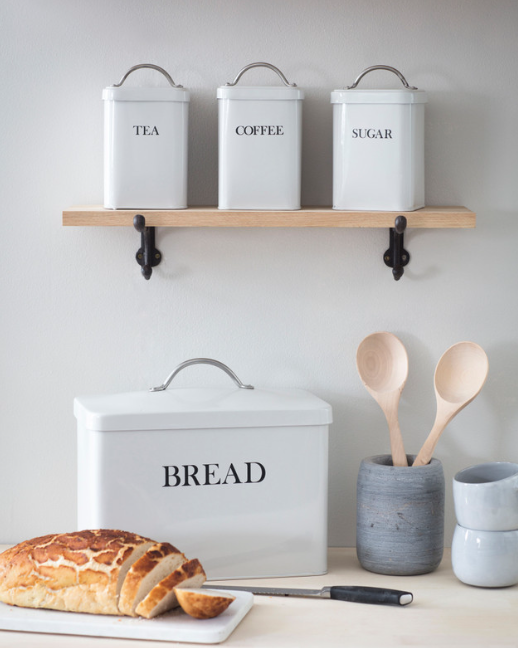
(197, 361)
(266, 65)
(381, 67)
(147, 65)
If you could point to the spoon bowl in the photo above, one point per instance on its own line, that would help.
(459, 376)
(382, 363)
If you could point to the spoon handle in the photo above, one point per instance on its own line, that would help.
(396, 447)
(396, 439)
(426, 452)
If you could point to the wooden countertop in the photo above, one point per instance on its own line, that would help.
(444, 613)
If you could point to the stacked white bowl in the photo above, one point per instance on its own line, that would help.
(485, 543)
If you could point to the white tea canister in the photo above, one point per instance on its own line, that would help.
(260, 143)
(145, 145)
(378, 147)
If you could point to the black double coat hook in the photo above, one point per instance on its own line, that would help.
(396, 257)
(147, 255)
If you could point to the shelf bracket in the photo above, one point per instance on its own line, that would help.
(396, 257)
(147, 255)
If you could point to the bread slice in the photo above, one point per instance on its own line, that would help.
(158, 562)
(203, 603)
(162, 597)
(78, 572)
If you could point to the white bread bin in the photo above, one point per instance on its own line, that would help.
(378, 147)
(234, 476)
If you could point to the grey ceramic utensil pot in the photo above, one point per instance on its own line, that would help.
(400, 516)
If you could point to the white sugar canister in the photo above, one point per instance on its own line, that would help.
(378, 147)
(260, 143)
(233, 475)
(145, 145)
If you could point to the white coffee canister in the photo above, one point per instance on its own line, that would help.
(378, 147)
(145, 145)
(260, 143)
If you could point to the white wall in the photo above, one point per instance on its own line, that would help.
(282, 307)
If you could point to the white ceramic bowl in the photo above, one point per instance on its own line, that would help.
(486, 496)
(485, 558)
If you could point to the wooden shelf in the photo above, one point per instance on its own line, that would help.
(146, 220)
(427, 217)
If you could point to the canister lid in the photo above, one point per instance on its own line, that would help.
(406, 95)
(288, 91)
(145, 94)
(201, 408)
(259, 93)
(366, 96)
(172, 92)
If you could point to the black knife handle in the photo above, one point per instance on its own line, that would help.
(356, 594)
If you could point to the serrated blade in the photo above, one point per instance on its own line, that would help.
(276, 591)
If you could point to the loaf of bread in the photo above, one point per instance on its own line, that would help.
(79, 572)
(99, 572)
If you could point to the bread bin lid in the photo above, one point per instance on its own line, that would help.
(173, 92)
(407, 95)
(201, 408)
(288, 91)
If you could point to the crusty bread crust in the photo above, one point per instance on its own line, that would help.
(158, 562)
(78, 572)
(162, 597)
(203, 604)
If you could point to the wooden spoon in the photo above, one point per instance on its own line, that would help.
(459, 376)
(382, 363)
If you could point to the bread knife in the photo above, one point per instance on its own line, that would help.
(354, 594)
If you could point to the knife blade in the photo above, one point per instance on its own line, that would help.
(351, 593)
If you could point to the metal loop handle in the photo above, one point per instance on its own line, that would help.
(146, 65)
(266, 65)
(381, 67)
(196, 361)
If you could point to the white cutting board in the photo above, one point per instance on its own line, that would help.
(172, 626)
